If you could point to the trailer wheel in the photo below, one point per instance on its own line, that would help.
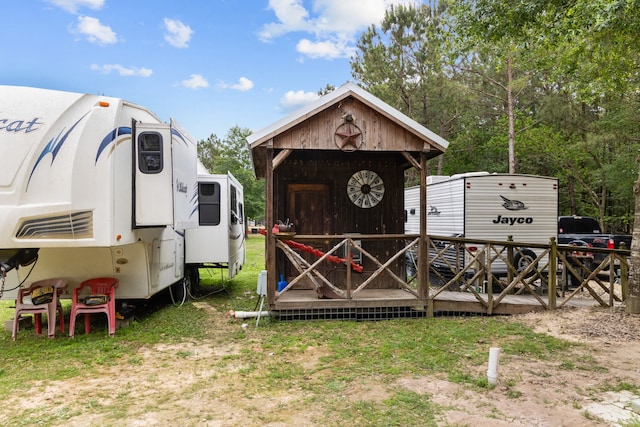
(192, 276)
(182, 289)
(523, 259)
(178, 291)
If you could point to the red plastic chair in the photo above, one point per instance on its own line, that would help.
(84, 302)
(25, 306)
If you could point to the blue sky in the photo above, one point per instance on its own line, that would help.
(209, 64)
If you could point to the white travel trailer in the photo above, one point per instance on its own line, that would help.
(219, 242)
(484, 206)
(93, 186)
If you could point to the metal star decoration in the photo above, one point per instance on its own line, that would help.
(350, 137)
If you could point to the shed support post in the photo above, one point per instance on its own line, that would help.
(270, 242)
(423, 263)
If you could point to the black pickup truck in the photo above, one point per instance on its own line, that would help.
(584, 231)
(576, 229)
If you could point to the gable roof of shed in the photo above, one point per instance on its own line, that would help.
(344, 91)
(259, 138)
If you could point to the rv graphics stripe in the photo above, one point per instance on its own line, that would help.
(112, 136)
(179, 135)
(68, 225)
(195, 197)
(54, 146)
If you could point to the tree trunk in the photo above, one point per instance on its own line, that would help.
(511, 115)
(572, 196)
(633, 299)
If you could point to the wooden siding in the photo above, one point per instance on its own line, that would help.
(318, 132)
(334, 169)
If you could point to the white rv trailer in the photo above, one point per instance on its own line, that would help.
(219, 242)
(484, 206)
(93, 186)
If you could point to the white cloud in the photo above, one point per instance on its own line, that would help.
(178, 34)
(73, 5)
(349, 17)
(121, 70)
(333, 24)
(95, 32)
(324, 49)
(243, 85)
(293, 100)
(196, 81)
(292, 16)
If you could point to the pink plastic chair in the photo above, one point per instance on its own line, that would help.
(94, 289)
(25, 306)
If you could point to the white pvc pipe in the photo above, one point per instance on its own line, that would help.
(248, 314)
(492, 372)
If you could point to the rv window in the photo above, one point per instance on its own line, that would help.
(150, 152)
(234, 205)
(241, 212)
(209, 203)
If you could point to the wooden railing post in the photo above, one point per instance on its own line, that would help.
(552, 279)
(510, 260)
(624, 274)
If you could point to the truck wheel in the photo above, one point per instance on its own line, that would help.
(523, 259)
(583, 271)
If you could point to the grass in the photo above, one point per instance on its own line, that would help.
(271, 358)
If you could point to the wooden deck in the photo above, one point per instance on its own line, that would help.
(307, 298)
(558, 278)
(447, 301)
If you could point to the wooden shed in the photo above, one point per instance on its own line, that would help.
(334, 175)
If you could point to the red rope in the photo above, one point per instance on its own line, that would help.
(317, 253)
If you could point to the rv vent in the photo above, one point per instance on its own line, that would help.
(73, 225)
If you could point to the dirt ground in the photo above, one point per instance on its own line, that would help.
(180, 386)
(560, 395)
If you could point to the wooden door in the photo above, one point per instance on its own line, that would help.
(308, 208)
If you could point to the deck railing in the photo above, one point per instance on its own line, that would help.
(491, 271)
(498, 268)
(334, 261)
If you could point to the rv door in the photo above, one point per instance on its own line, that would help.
(153, 189)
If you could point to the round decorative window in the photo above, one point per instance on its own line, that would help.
(365, 189)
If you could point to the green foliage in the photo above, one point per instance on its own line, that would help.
(572, 91)
(208, 151)
(327, 89)
(405, 62)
